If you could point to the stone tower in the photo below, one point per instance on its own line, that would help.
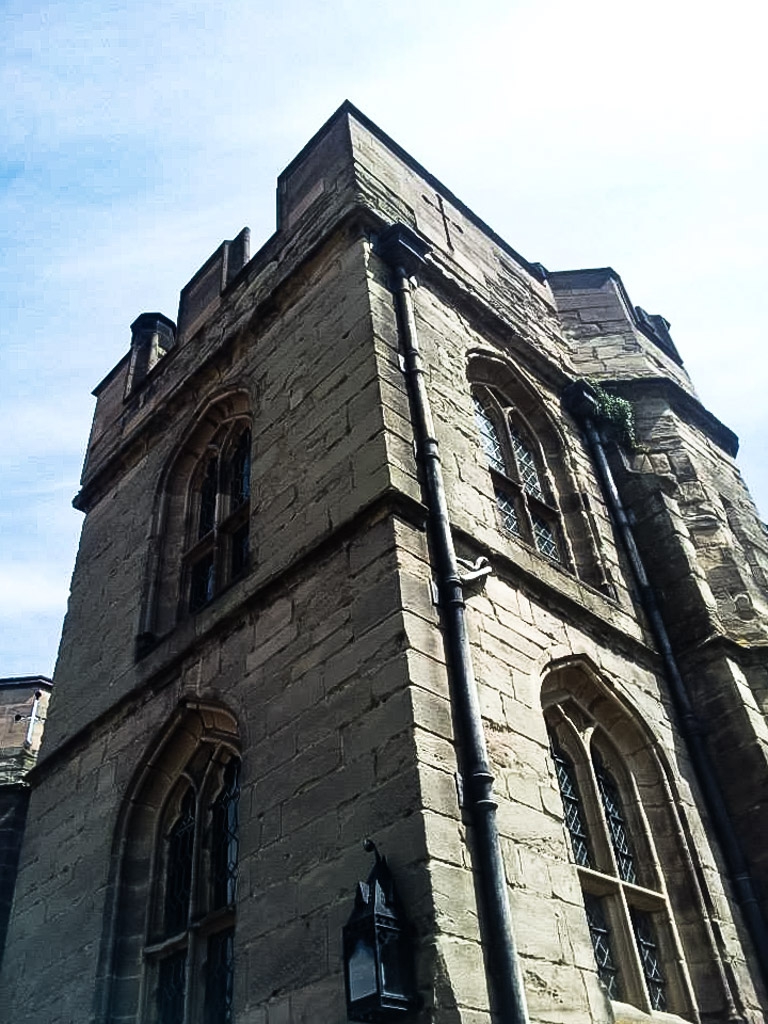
(397, 535)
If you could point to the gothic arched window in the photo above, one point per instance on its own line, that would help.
(173, 945)
(604, 848)
(524, 499)
(201, 540)
(191, 942)
(218, 545)
(623, 866)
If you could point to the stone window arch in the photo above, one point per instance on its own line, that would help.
(201, 538)
(218, 526)
(646, 913)
(538, 473)
(172, 945)
(525, 498)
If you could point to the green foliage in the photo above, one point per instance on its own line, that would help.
(616, 417)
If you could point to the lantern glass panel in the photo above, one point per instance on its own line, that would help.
(394, 980)
(362, 971)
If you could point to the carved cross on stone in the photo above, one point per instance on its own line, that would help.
(438, 205)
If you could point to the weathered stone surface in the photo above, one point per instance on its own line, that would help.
(324, 663)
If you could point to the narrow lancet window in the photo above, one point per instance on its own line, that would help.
(649, 958)
(526, 464)
(489, 438)
(615, 819)
(628, 909)
(178, 886)
(173, 960)
(572, 808)
(219, 550)
(208, 500)
(240, 471)
(224, 838)
(171, 989)
(600, 934)
(219, 978)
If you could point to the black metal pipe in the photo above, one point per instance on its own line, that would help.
(404, 251)
(581, 403)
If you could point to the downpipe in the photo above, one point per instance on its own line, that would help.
(579, 401)
(404, 251)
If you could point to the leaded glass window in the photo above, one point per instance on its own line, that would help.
(507, 512)
(240, 470)
(649, 958)
(201, 588)
(224, 838)
(178, 887)
(524, 501)
(207, 515)
(171, 988)
(625, 902)
(614, 816)
(526, 464)
(192, 946)
(572, 808)
(545, 537)
(219, 978)
(489, 438)
(600, 934)
(220, 551)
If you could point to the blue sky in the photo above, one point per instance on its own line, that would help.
(137, 136)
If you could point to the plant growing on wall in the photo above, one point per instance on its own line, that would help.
(615, 417)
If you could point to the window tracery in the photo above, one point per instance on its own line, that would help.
(524, 499)
(622, 875)
(218, 551)
(192, 944)
(201, 539)
(173, 936)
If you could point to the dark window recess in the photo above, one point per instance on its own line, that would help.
(218, 550)
(614, 815)
(572, 808)
(171, 985)
(240, 550)
(224, 839)
(220, 978)
(208, 500)
(601, 944)
(240, 471)
(201, 588)
(178, 886)
(649, 958)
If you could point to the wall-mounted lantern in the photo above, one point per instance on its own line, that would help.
(378, 954)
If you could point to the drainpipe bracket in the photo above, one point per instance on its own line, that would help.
(458, 778)
(476, 572)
